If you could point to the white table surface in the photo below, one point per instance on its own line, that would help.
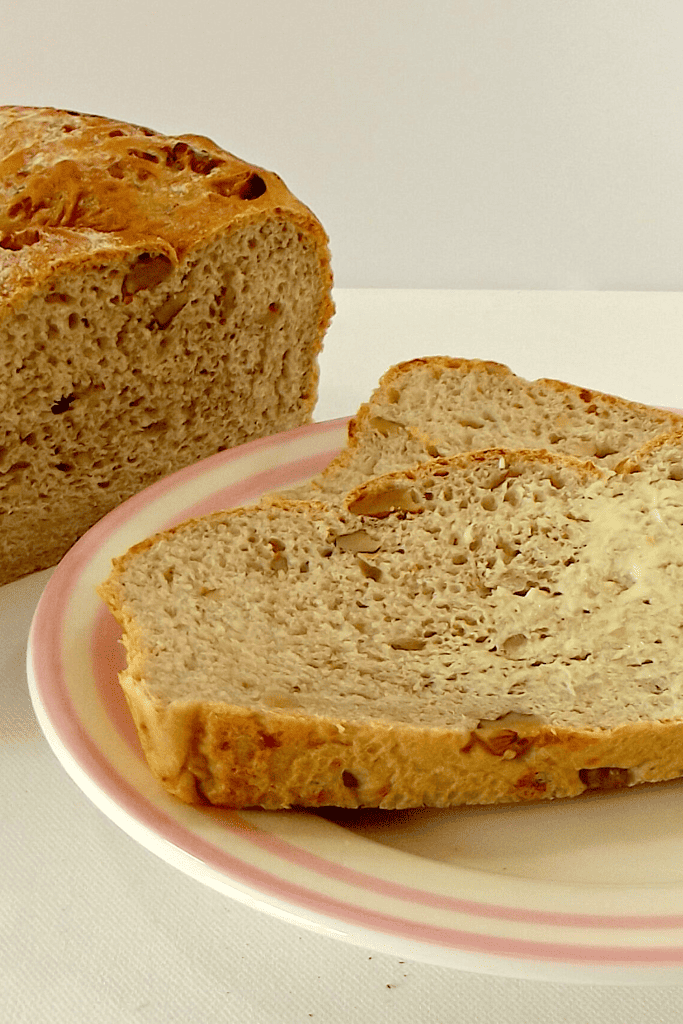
(95, 928)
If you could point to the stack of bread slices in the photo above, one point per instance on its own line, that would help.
(479, 601)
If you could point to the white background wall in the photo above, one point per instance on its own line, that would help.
(455, 144)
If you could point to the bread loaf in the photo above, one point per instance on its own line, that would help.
(160, 300)
(500, 626)
(442, 406)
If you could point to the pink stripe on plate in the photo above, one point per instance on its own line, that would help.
(251, 490)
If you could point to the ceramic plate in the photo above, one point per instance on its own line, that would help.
(587, 890)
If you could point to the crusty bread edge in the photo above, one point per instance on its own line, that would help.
(204, 752)
(185, 222)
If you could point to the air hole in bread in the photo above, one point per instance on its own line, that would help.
(181, 155)
(350, 780)
(146, 273)
(23, 208)
(514, 646)
(157, 427)
(117, 169)
(246, 187)
(142, 154)
(63, 404)
(253, 187)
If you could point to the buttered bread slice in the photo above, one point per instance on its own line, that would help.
(494, 627)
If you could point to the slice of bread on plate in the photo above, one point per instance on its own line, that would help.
(442, 406)
(160, 300)
(499, 626)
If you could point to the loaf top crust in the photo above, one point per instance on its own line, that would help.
(74, 187)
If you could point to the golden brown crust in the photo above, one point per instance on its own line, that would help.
(106, 179)
(234, 757)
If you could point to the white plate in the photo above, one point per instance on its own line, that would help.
(587, 890)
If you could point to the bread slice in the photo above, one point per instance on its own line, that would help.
(160, 300)
(441, 406)
(494, 627)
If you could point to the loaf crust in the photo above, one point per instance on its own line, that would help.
(160, 300)
(80, 180)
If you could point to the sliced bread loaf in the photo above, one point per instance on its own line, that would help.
(442, 406)
(497, 626)
(160, 300)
